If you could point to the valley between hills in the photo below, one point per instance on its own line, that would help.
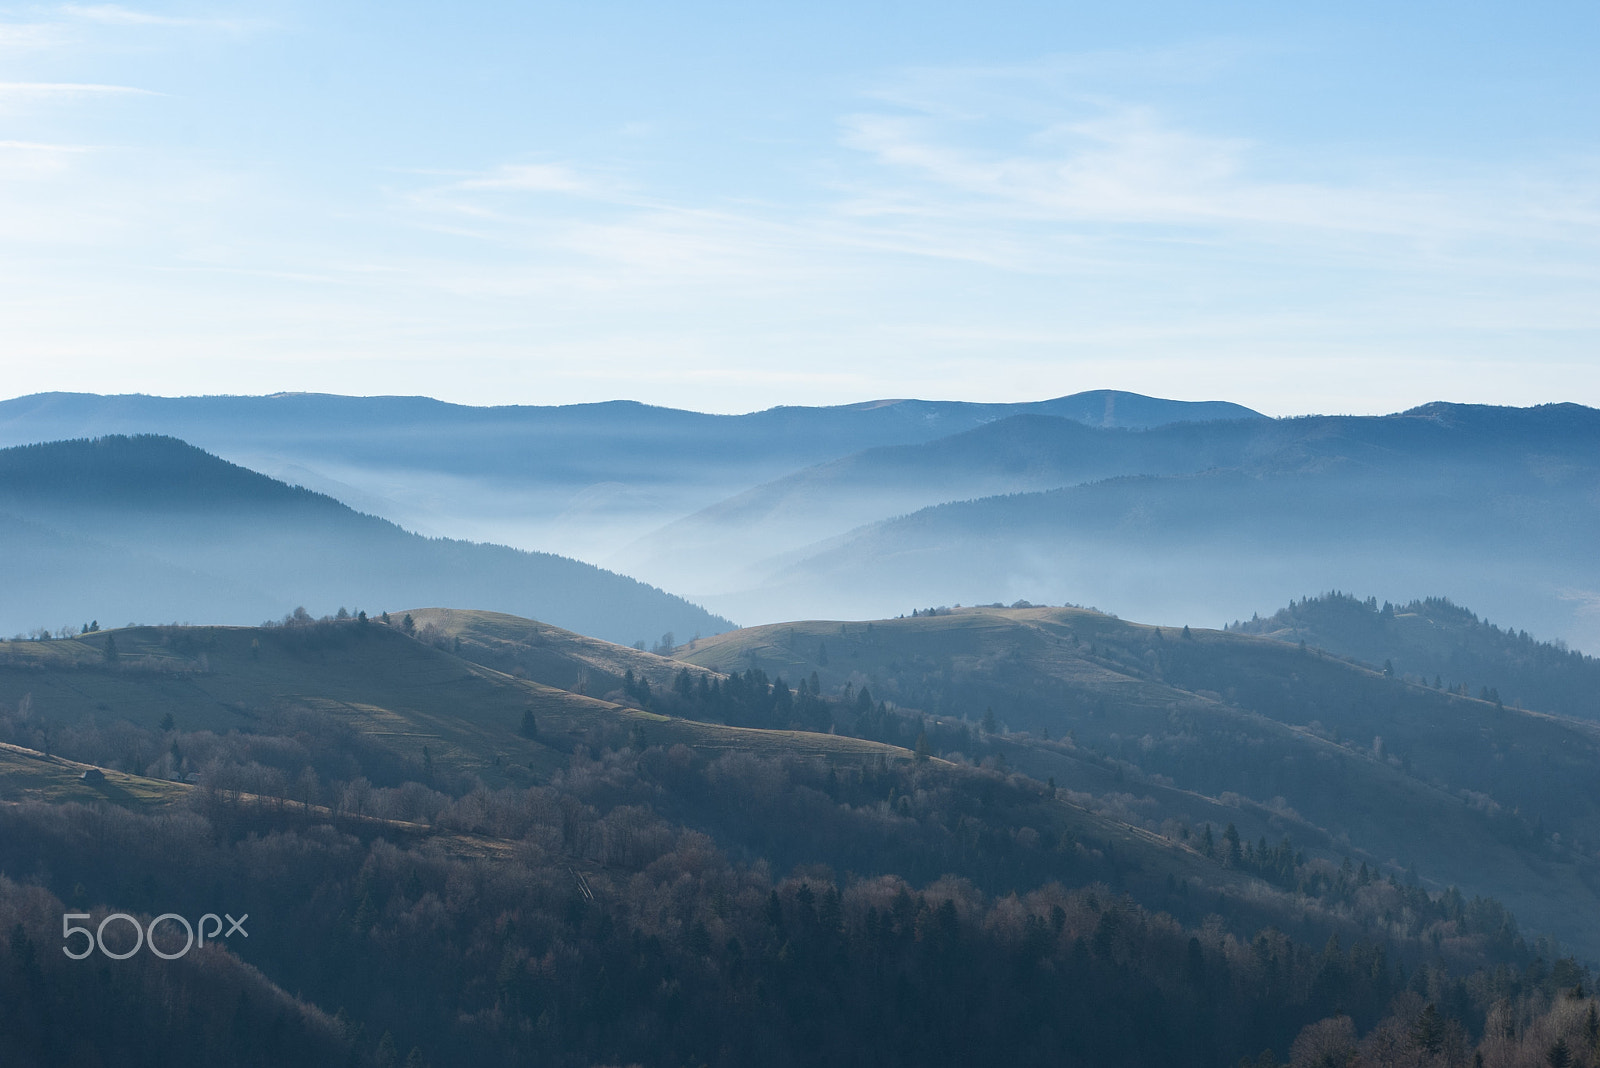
(946, 834)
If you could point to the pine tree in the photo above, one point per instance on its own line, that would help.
(1429, 1032)
(1230, 852)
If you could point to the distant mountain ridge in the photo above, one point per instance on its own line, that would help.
(357, 425)
(866, 509)
(1017, 454)
(1496, 507)
(580, 479)
(151, 528)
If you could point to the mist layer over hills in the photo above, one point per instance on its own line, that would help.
(1149, 508)
(587, 844)
(152, 529)
(1199, 522)
(581, 480)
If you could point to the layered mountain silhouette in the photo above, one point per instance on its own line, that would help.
(1205, 522)
(152, 529)
(581, 479)
(1149, 508)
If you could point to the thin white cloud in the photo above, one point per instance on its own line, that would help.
(117, 15)
(1039, 183)
(57, 90)
(29, 37)
(1037, 90)
(529, 178)
(40, 146)
(34, 160)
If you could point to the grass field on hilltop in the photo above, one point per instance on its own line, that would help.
(530, 649)
(402, 693)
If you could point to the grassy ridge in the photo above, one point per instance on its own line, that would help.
(1170, 730)
(400, 692)
(1149, 734)
(404, 694)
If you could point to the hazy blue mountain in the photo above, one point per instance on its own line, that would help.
(152, 529)
(1496, 507)
(723, 547)
(578, 479)
(581, 440)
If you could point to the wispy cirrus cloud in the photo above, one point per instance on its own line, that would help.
(33, 160)
(24, 37)
(1045, 143)
(599, 233)
(58, 90)
(531, 178)
(117, 15)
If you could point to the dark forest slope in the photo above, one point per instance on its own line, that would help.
(1442, 644)
(494, 870)
(1498, 801)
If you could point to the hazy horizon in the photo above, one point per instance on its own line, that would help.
(861, 402)
(1353, 210)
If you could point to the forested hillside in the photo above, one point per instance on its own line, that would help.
(1441, 644)
(456, 863)
(1154, 721)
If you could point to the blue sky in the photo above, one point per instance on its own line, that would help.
(1315, 207)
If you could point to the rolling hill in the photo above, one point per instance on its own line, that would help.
(434, 834)
(398, 692)
(1436, 641)
(1180, 726)
(248, 707)
(154, 529)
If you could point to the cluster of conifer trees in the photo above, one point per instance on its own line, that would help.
(619, 930)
